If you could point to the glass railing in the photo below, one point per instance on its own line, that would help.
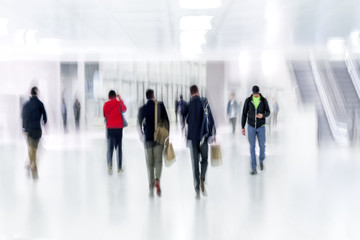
(332, 101)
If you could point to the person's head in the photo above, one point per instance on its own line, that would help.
(34, 91)
(112, 94)
(194, 90)
(150, 94)
(256, 91)
(232, 96)
(181, 97)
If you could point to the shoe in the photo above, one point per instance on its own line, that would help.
(120, 170)
(261, 166)
(197, 191)
(110, 171)
(202, 185)
(253, 172)
(157, 186)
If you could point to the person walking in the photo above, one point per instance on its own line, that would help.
(64, 114)
(153, 150)
(112, 111)
(275, 111)
(232, 112)
(77, 109)
(256, 109)
(32, 113)
(201, 130)
(176, 110)
(182, 105)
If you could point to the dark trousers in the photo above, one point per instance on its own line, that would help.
(197, 151)
(114, 139)
(233, 124)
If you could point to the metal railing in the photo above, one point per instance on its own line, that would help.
(332, 101)
(353, 72)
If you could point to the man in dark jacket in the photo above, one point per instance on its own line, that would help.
(198, 135)
(153, 150)
(256, 109)
(32, 112)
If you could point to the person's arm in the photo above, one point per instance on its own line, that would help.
(244, 114)
(123, 107)
(228, 109)
(211, 121)
(24, 118)
(105, 111)
(266, 109)
(140, 122)
(164, 116)
(185, 110)
(44, 113)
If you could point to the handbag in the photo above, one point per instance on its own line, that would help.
(169, 153)
(160, 133)
(125, 123)
(216, 158)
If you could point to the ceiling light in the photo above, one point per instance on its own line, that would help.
(50, 46)
(199, 4)
(4, 26)
(192, 41)
(336, 45)
(196, 23)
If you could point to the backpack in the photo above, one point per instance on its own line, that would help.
(208, 129)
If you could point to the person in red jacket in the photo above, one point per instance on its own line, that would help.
(113, 110)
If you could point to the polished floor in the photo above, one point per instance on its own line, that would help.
(305, 192)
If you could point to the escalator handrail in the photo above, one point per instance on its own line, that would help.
(354, 74)
(338, 128)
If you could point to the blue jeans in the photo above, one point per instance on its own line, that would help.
(261, 135)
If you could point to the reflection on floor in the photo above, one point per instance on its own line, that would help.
(304, 192)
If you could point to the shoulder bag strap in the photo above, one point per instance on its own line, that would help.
(156, 117)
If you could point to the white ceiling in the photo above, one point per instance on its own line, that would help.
(151, 27)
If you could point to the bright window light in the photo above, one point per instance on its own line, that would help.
(50, 46)
(192, 41)
(196, 23)
(244, 62)
(4, 26)
(269, 62)
(354, 38)
(30, 39)
(200, 4)
(19, 38)
(336, 45)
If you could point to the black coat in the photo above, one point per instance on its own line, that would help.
(32, 112)
(249, 112)
(194, 114)
(146, 119)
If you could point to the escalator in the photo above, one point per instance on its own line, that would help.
(310, 95)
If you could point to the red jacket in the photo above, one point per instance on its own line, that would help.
(112, 113)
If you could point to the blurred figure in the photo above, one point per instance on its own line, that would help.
(64, 114)
(182, 105)
(153, 150)
(112, 111)
(275, 111)
(201, 127)
(232, 112)
(77, 109)
(32, 112)
(256, 109)
(176, 109)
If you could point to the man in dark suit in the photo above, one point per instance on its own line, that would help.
(153, 150)
(32, 113)
(201, 128)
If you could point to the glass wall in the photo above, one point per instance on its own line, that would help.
(131, 79)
